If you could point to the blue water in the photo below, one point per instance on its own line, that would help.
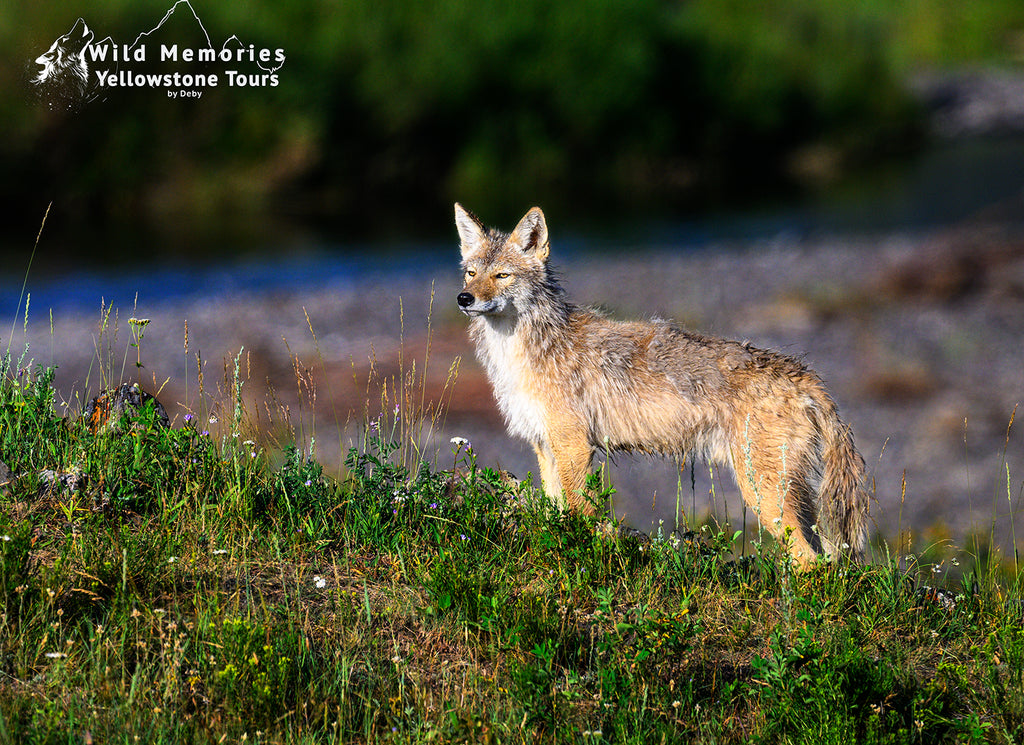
(942, 186)
(311, 268)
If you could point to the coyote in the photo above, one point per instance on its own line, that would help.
(571, 381)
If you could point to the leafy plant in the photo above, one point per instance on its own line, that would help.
(187, 588)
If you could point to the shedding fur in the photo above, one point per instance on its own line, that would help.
(571, 381)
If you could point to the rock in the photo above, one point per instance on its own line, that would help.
(977, 258)
(972, 103)
(6, 477)
(106, 410)
(58, 482)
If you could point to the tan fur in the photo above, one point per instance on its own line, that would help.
(571, 381)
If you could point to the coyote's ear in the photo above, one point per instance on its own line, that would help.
(531, 235)
(472, 232)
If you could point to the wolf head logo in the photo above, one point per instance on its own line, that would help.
(62, 78)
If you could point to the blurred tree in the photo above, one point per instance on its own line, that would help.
(397, 108)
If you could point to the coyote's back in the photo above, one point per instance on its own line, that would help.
(571, 381)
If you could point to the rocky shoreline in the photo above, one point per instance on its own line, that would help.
(918, 337)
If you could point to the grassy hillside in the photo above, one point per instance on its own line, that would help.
(166, 584)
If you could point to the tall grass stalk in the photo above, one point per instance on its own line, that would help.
(1009, 490)
(24, 282)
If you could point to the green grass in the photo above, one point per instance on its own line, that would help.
(198, 588)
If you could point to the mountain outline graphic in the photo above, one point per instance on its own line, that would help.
(73, 71)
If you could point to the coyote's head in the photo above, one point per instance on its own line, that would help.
(503, 272)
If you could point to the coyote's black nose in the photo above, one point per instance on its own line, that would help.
(465, 299)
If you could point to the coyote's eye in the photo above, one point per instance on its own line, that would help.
(471, 272)
(502, 275)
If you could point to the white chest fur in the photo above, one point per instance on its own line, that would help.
(514, 381)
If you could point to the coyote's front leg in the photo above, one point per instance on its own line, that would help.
(550, 483)
(572, 456)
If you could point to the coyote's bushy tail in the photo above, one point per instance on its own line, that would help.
(842, 497)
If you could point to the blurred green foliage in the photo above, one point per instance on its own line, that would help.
(397, 107)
